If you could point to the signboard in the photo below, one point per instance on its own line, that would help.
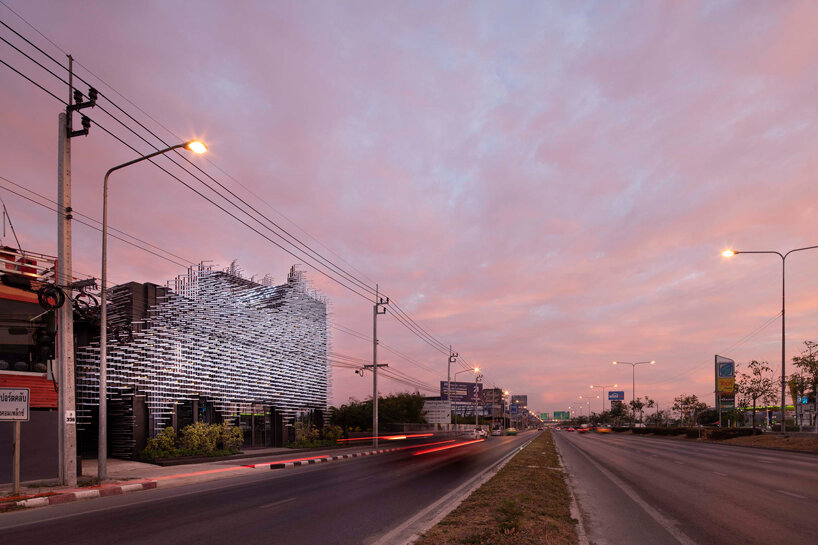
(462, 392)
(14, 404)
(562, 415)
(437, 412)
(725, 384)
(616, 396)
(521, 400)
(513, 409)
(545, 416)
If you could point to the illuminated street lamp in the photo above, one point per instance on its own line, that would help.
(731, 253)
(634, 364)
(102, 447)
(474, 370)
(603, 386)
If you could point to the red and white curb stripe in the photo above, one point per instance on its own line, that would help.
(296, 463)
(86, 494)
(149, 484)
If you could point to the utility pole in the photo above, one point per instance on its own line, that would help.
(67, 427)
(376, 310)
(452, 358)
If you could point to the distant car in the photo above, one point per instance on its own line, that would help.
(479, 433)
(540, 428)
(511, 431)
(496, 431)
(603, 429)
(570, 429)
(583, 430)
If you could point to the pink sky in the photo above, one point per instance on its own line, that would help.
(545, 186)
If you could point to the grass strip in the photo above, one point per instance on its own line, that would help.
(526, 502)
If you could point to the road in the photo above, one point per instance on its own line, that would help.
(354, 501)
(634, 489)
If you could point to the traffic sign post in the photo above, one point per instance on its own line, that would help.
(14, 407)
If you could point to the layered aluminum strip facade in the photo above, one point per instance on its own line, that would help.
(217, 335)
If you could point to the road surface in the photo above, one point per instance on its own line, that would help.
(355, 501)
(634, 489)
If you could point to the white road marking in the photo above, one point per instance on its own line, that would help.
(791, 494)
(719, 473)
(678, 462)
(276, 503)
(663, 521)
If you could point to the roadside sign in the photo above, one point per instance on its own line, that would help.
(616, 395)
(725, 384)
(562, 415)
(14, 404)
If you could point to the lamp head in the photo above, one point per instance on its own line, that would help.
(652, 362)
(196, 146)
(476, 369)
(614, 363)
(729, 253)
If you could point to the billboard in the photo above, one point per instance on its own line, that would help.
(437, 412)
(562, 415)
(616, 396)
(521, 400)
(545, 416)
(725, 384)
(462, 392)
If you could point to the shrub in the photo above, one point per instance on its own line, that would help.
(230, 437)
(195, 440)
(730, 433)
(199, 437)
(692, 433)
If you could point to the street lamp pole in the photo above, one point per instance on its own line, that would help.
(633, 365)
(603, 386)
(474, 370)
(730, 253)
(102, 446)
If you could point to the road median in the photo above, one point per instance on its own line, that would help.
(527, 502)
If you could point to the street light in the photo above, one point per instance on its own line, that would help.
(474, 370)
(603, 386)
(102, 447)
(634, 364)
(588, 403)
(731, 253)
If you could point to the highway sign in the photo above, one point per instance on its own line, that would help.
(562, 415)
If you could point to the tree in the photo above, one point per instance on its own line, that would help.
(392, 409)
(688, 407)
(757, 385)
(807, 362)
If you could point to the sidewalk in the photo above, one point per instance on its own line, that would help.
(126, 476)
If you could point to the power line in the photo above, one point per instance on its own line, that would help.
(310, 254)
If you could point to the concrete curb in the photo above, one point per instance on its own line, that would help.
(296, 463)
(86, 494)
(115, 490)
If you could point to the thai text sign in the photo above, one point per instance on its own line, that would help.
(462, 392)
(14, 404)
(616, 395)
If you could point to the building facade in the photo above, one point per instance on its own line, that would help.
(211, 346)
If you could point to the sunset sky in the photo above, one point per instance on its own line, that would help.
(546, 186)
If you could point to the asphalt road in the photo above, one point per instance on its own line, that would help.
(641, 490)
(355, 501)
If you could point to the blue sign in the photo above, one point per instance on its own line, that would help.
(616, 396)
(513, 409)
